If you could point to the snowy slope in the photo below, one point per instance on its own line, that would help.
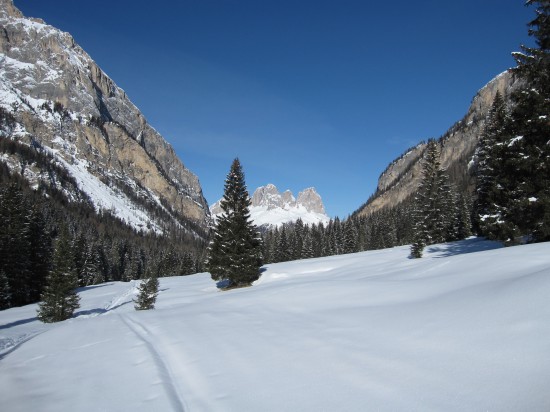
(463, 329)
(63, 104)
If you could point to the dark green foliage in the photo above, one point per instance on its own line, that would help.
(234, 253)
(102, 247)
(417, 248)
(59, 299)
(24, 245)
(148, 292)
(529, 203)
(513, 177)
(492, 188)
(435, 214)
(5, 293)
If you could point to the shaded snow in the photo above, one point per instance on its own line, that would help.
(463, 329)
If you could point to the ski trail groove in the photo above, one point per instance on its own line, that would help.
(118, 299)
(177, 402)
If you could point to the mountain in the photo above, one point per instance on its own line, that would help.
(457, 146)
(375, 331)
(57, 101)
(272, 208)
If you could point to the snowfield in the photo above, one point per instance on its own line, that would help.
(466, 328)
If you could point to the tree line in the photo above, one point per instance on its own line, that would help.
(102, 248)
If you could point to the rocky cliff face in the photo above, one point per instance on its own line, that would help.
(402, 177)
(65, 104)
(272, 208)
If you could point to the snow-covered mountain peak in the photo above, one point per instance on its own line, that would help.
(273, 208)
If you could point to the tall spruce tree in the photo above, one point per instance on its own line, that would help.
(234, 254)
(59, 298)
(431, 203)
(492, 184)
(488, 207)
(529, 197)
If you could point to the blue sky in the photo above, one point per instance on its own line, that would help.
(305, 93)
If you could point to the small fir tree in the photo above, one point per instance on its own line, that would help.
(148, 292)
(417, 248)
(234, 254)
(59, 298)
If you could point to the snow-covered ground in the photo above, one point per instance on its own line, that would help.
(262, 215)
(466, 328)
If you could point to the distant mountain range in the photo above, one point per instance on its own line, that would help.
(55, 99)
(272, 208)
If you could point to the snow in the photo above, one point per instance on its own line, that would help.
(103, 196)
(514, 140)
(263, 215)
(464, 328)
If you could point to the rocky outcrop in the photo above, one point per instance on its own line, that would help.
(63, 102)
(402, 177)
(310, 199)
(269, 207)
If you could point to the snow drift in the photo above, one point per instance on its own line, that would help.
(464, 328)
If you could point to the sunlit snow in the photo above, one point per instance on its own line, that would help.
(463, 329)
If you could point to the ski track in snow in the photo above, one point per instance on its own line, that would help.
(8, 345)
(453, 331)
(12, 342)
(161, 361)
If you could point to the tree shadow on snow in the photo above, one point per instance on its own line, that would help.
(85, 288)
(100, 311)
(225, 284)
(17, 323)
(471, 245)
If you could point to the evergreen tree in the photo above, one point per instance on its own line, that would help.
(234, 253)
(59, 298)
(350, 236)
(282, 252)
(417, 247)
(147, 295)
(307, 250)
(492, 184)
(297, 242)
(529, 200)
(432, 200)
(464, 221)
(5, 294)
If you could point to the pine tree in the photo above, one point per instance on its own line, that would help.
(282, 252)
(148, 292)
(91, 272)
(529, 201)
(298, 239)
(59, 298)
(234, 253)
(307, 250)
(492, 184)
(417, 247)
(350, 236)
(5, 294)
(431, 203)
